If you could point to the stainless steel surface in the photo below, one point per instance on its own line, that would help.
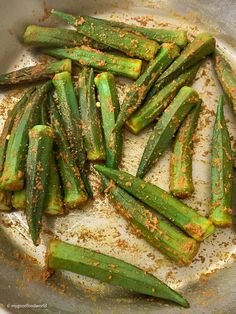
(209, 283)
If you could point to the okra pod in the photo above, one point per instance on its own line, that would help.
(140, 88)
(166, 127)
(37, 174)
(14, 167)
(35, 73)
(99, 60)
(69, 111)
(131, 44)
(86, 262)
(221, 171)
(54, 203)
(160, 234)
(19, 199)
(110, 107)
(43, 37)
(158, 103)
(227, 78)
(202, 45)
(181, 183)
(74, 194)
(91, 126)
(178, 37)
(164, 203)
(5, 201)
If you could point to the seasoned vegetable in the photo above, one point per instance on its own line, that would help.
(92, 131)
(61, 255)
(5, 201)
(221, 171)
(202, 45)
(39, 36)
(131, 44)
(74, 194)
(14, 167)
(166, 127)
(140, 88)
(110, 107)
(35, 73)
(227, 78)
(162, 235)
(38, 165)
(54, 202)
(178, 37)
(158, 103)
(181, 183)
(19, 200)
(176, 211)
(102, 61)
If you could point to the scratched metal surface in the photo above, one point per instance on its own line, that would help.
(209, 282)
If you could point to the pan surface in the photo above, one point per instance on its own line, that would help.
(209, 282)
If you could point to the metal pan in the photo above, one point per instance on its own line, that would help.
(209, 283)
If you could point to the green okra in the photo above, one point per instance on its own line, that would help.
(202, 45)
(14, 167)
(19, 199)
(35, 73)
(73, 188)
(44, 110)
(54, 202)
(181, 183)
(178, 37)
(221, 171)
(227, 78)
(91, 125)
(177, 212)
(37, 174)
(109, 103)
(70, 116)
(8, 125)
(153, 108)
(83, 261)
(131, 44)
(99, 60)
(159, 233)
(166, 127)
(5, 201)
(43, 37)
(140, 88)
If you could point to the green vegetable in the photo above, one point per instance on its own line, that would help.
(140, 88)
(70, 116)
(102, 61)
(178, 37)
(110, 107)
(83, 261)
(35, 73)
(92, 131)
(181, 183)
(37, 174)
(54, 202)
(176, 211)
(73, 188)
(19, 200)
(14, 167)
(166, 127)
(158, 103)
(227, 78)
(160, 234)
(131, 44)
(221, 171)
(200, 47)
(5, 201)
(38, 36)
